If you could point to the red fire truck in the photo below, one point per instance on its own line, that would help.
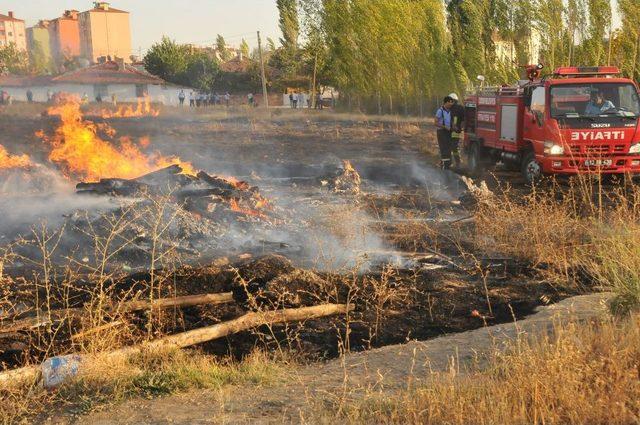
(579, 120)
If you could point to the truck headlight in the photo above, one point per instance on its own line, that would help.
(551, 148)
(635, 148)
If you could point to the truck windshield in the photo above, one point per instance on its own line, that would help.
(593, 100)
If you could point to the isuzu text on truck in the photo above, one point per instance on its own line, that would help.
(580, 120)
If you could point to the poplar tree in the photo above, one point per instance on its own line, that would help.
(599, 24)
(244, 48)
(221, 46)
(628, 39)
(289, 24)
(550, 24)
(286, 58)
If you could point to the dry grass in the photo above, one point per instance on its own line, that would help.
(615, 263)
(106, 382)
(567, 232)
(583, 374)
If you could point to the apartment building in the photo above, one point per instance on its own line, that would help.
(64, 33)
(12, 30)
(38, 39)
(104, 32)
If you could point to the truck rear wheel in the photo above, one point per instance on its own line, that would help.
(531, 169)
(474, 159)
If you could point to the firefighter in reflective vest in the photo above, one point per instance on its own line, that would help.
(457, 128)
(444, 125)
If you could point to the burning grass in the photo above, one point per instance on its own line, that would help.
(583, 373)
(80, 152)
(8, 161)
(142, 109)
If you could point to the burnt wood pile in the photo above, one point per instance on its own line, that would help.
(343, 179)
(203, 194)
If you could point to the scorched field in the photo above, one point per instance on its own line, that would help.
(231, 231)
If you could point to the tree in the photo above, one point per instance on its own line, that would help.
(244, 48)
(388, 55)
(468, 27)
(599, 25)
(201, 71)
(286, 57)
(13, 61)
(550, 24)
(289, 23)
(628, 39)
(167, 59)
(221, 46)
(38, 62)
(575, 16)
(271, 45)
(182, 64)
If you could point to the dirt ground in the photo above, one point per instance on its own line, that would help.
(405, 215)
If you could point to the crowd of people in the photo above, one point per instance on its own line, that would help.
(300, 100)
(201, 99)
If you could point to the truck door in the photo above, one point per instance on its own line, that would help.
(534, 119)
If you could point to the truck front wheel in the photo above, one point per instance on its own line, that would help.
(474, 159)
(531, 169)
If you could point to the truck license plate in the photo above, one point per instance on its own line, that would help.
(598, 162)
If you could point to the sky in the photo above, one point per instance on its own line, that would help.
(186, 21)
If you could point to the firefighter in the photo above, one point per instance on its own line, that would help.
(457, 114)
(443, 123)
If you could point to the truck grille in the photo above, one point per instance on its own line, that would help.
(596, 149)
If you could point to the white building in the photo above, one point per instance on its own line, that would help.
(506, 50)
(124, 81)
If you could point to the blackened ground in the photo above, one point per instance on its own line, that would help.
(407, 201)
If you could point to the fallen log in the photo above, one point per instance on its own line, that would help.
(185, 301)
(199, 336)
(242, 323)
(159, 176)
(126, 307)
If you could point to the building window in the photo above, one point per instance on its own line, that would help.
(142, 90)
(102, 90)
(10, 34)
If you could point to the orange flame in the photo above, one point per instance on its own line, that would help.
(80, 152)
(238, 184)
(8, 161)
(236, 207)
(143, 109)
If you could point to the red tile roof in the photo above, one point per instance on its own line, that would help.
(108, 73)
(8, 18)
(236, 65)
(21, 81)
(110, 10)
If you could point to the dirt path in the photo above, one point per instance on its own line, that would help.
(385, 369)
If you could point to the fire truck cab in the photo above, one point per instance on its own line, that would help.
(579, 120)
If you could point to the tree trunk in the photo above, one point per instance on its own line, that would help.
(635, 57)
